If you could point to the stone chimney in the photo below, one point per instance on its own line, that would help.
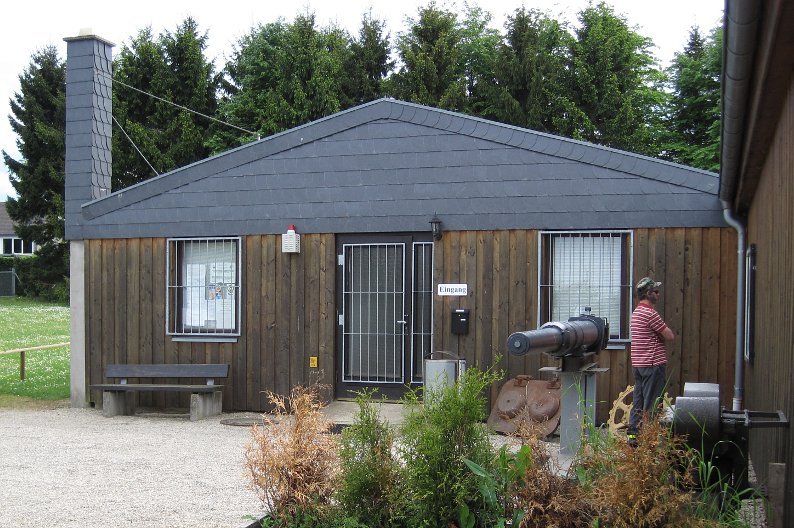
(89, 124)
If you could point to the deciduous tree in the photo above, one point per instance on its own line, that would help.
(281, 76)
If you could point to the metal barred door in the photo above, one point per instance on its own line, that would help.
(375, 315)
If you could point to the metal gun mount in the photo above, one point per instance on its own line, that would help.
(720, 433)
(574, 342)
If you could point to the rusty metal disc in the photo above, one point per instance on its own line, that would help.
(511, 402)
(543, 407)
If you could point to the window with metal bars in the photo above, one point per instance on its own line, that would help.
(203, 297)
(586, 269)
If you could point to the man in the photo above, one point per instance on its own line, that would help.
(648, 356)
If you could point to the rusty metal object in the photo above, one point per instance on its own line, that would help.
(527, 403)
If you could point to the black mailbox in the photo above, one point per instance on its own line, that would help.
(460, 321)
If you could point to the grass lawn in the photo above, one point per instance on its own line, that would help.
(28, 323)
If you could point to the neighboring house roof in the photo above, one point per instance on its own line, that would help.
(390, 166)
(6, 225)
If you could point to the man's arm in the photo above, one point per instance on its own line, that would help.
(667, 334)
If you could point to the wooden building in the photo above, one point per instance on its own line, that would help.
(196, 266)
(758, 183)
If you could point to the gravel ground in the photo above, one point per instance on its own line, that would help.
(73, 468)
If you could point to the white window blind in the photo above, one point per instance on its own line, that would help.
(585, 270)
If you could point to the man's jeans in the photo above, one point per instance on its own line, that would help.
(649, 385)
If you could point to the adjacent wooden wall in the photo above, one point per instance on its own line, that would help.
(769, 377)
(287, 315)
(697, 267)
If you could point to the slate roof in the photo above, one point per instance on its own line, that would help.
(6, 225)
(389, 166)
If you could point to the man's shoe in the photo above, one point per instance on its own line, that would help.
(632, 440)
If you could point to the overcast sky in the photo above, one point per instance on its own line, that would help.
(32, 25)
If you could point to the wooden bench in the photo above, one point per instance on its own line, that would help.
(205, 400)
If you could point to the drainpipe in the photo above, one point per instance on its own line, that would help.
(741, 231)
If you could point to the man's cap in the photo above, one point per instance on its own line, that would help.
(647, 283)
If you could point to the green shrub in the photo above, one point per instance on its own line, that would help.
(436, 438)
(369, 469)
(311, 518)
(6, 263)
(44, 275)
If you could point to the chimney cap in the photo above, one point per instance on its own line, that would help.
(87, 33)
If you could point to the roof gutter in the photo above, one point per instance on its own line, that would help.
(741, 25)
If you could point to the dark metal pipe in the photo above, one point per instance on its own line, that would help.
(556, 338)
(541, 341)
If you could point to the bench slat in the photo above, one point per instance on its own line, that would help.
(197, 370)
(138, 387)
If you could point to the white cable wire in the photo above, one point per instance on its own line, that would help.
(134, 145)
(179, 106)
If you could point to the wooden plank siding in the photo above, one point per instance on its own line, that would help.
(289, 309)
(502, 279)
(287, 315)
(769, 376)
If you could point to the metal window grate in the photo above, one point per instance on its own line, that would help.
(586, 269)
(203, 290)
(374, 310)
(422, 298)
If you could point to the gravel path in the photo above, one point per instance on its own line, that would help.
(73, 468)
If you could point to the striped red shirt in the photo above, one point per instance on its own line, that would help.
(647, 343)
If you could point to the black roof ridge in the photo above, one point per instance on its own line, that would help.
(388, 108)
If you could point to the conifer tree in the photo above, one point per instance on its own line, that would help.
(367, 64)
(433, 66)
(173, 68)
(616, 83)
(530, 88)
(38, 119)
(694, 120)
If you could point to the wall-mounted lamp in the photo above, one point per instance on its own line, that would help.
(435, 227)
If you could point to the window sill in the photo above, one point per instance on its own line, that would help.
(204, 339)
(617, 345)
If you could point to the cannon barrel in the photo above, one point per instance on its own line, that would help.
(575, 336)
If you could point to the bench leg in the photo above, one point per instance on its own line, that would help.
(116, 403)
(205, 404)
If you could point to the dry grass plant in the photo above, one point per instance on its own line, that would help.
(292, 460)
(548, 499)
(648, 486)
